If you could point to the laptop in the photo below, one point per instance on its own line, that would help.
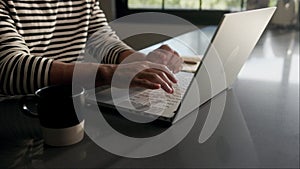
(230, 47)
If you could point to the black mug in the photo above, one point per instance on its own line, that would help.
(60, 124)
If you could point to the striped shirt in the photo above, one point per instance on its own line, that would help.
(34, 33)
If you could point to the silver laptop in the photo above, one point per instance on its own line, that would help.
(230, 47)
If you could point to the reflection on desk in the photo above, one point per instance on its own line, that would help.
(20, 138)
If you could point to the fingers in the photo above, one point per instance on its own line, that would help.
(166, 48)
(164, 69)
(155, 76)
(147, 75)
(167, 56)
(175, 64)
(161, 78)
(154, 79)
(159, 56)
(144, 83)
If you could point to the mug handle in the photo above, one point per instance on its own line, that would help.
(24, 108)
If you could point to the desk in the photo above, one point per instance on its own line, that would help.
(259, 127)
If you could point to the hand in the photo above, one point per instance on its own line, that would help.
(141, 74)
(166, 56)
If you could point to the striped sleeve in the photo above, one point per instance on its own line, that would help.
(20, 71)
(103, 43)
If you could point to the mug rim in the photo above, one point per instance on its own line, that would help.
(38, 92)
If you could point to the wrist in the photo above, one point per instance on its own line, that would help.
(130, 56)
(105, 74)
(61, 73)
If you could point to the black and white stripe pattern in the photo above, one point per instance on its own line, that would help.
(34, 33)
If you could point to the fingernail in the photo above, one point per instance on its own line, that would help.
(176, 80)
(171, 90)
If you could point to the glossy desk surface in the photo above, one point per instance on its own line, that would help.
(259, 127)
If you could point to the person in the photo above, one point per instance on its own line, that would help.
(41, 41)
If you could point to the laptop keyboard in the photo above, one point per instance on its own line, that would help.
(159, 100)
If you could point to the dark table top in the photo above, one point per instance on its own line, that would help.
(259, 126)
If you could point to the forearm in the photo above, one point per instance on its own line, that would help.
(62, 73)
